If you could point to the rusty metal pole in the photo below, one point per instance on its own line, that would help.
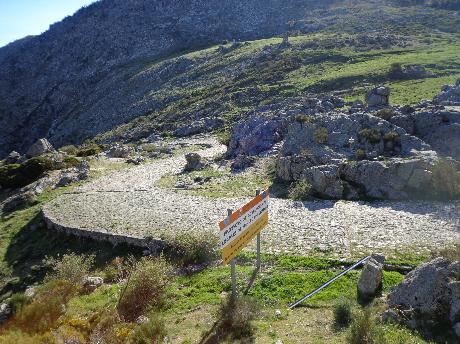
(233, 268)
(258, 242)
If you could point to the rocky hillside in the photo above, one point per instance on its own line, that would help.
(108, 64)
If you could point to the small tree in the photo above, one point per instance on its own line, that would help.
(145, 288)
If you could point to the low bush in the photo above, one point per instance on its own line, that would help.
(392, 136)
(145, 288)
(19, 175)
(70, 267)
(302, 119)
(300, 191)
(385, 114)
(89, 150)
(363, 329)
(150, 332)
(342, 312)
(237, 316)
(372, 136)
(446, 180)
(361, 154)
(70, 150)
(18, 301)
(191, 247)
(46, 308)
(321, 135)
(451, 253)
(224, 137)
(149, 147)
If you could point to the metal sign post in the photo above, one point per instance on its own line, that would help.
(258, 243)
(233, 267)
(239, 228)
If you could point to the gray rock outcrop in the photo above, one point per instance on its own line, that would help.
(120, 151)
(13, 158)
(378, 97)
(90, 284)
(429, 295)
(5, 312)
(42, 146)
(450, 95)
(69, 92)
(370, 281)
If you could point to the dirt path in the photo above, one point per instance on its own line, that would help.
(127, 204)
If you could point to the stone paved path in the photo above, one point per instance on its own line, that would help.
(126, 203)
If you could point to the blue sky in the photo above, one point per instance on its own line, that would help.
(20, 18)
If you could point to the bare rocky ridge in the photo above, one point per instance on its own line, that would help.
(63, 84)
(97, 69)
(126, 206)
(377, 152)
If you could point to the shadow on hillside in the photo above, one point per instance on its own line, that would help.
(34, 242)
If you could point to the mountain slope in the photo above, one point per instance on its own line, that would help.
(92, 71)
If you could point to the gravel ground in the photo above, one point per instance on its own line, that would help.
(127, 203)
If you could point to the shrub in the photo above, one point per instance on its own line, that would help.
(363, 329)
(145, 288)
(20, 175)
(304, 119)
(70, 149)
(321, 135)
(396, 71)
(152, 331)
(451, 253)
(391, 136)
(224, 137)
(46, 308)
(71, 161)
(192, 247)
(70, 267)
(372, 136)
(18, 337)
(361, 154)
(342, 312)
(149, 147)
(18, 301)
(104, 324)
(89, 150)
(446, 180)
(300, 191)
(385, 114)
(237, 315)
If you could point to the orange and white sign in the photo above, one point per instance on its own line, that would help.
(239, 228)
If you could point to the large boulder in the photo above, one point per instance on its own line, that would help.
(450, 95)
(42, 146)
(378, 97)
(438, 128)
(429, 295)
(370, 281)
(90, 284)
(255, 135)
(13, 158)
(73, 175)
(120, 151)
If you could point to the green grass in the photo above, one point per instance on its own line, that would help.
(103, 298)
(217, 183)
(24, 241)
(261, 79)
